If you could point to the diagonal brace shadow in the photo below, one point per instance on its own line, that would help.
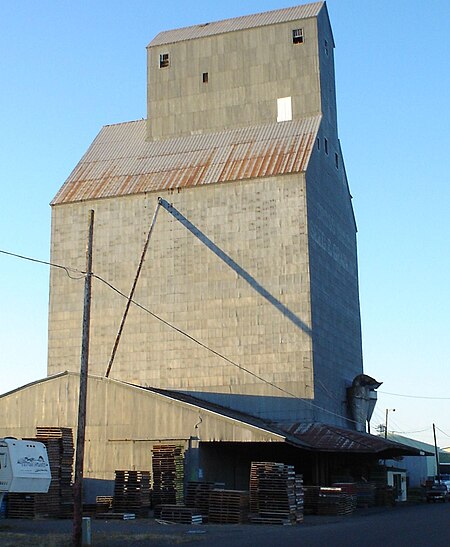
(234, 266)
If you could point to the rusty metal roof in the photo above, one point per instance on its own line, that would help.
(121, 162)
(328, 438)
(238, 23)
(316, 437)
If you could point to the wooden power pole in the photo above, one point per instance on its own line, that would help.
(436, 455)
(79, 461)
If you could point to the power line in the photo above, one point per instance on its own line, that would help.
(218, 354)
(408, 432)
(170, 325)
(30, 259)
(443, 432)
(415, 396)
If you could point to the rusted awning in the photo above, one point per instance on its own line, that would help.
(329, 438)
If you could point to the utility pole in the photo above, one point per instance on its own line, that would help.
(436, 454)
(133, 288)
(79, 462)
(386, 424)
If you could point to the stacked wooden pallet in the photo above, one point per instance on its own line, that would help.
(323, 500)
(21, 506)
(61, 437)
(299, 499)
(385, 496)
(103, 504)
(132, 492)
(273, 498)
(178, 513)
(350, 489)
(365, 492)
(333, 501)
(58, 501)
(311, 499)
(168, 474)
(228, 506)
(197, 495)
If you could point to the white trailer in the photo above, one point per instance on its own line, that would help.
(24, 467)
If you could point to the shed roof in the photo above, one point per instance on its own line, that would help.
(121, 162)
(328, 438)
(237, 23)
(316, 437)
(225, 424)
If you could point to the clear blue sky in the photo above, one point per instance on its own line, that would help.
(68, 68)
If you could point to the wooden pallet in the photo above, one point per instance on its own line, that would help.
(276, 494)
(131, 492)
(168, 474)
(178, 513)
(58, 501)
(228, 506)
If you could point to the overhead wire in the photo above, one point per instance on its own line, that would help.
(69, 271)
(415, 396)
(218, 354)
(187, 335)
(443, 432)
(53, 264)
(408, 432)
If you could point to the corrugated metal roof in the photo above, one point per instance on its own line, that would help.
(237, 23)
(121, 162)
(328, 438)
(308, 436)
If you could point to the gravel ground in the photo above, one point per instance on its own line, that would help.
(56, 533)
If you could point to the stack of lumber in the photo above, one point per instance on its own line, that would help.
(197, 495)
(228, 506)
(324, 500)
(168, 474)
(273, 497)
(350, 489)
(178, 513)
(132, 492)
(333, 501)
(58, 501)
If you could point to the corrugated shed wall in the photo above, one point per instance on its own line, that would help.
(123, 421)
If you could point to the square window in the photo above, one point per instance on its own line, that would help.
(163, 60)
(297, 36)
(284, 109)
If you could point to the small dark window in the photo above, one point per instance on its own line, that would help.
(205, 78)
(336, 160)
(297, 36)
(318, 143)
(326, 47)
(164, 60)
(326, 145)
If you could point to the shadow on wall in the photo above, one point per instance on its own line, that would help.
(235, 267)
